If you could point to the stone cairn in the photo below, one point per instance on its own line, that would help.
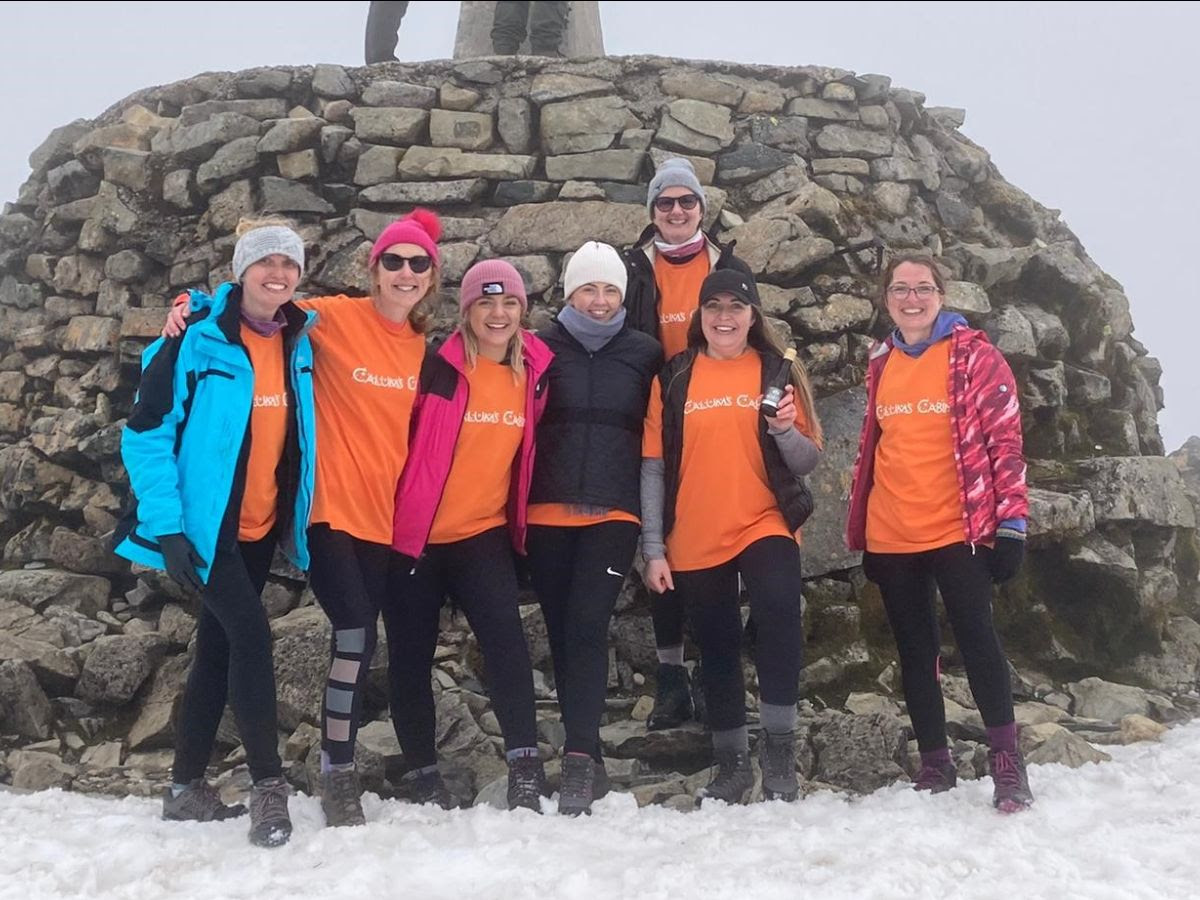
(526, 158)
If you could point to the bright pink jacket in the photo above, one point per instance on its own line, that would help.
(437, 419)
(985, 419)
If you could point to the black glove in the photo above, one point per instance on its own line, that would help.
(1005, 558)
(182, 560)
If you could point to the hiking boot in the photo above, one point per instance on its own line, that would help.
(733, 781)
(936, 778)
(672, 698)
(777, 759)
(270, 825)
(425, 787)
(526, 783)
(1010, 791)
(583, 780)
(341, 798)
(199, 803)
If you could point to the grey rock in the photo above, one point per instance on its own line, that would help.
(460, 191)
(842, 140)
(290, 135)
(1052, 743)
(72, 181)
(1011, 333)
(158, 706)
(563, 226)
(859, 753)
(1148, 489)
(514, 119)
(602, 165)
(787, 180)
(824, 110)
(686, 749)
(1059, 515)
(333, 81)
(966, 297)
(580, 126)
(1087, 388)
(195, 143)
(24, 708)
(1049, 333)
(549, 87)
(117, 666)
(282, 196)
(40, 771)
(694, 85)
(784, 132)
(451, 96)
(39, 588)
(237, 158)
(450, 162)
(399, 126)
(824, 542)
(750, 162)
(207, 110)
(377, 165)
(399, 93)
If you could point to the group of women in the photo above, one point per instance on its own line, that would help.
(400, 477)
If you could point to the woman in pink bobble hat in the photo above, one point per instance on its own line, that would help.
(461, 513)
(367, 357)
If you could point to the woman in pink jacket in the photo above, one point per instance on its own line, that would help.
(461, 513)
(938, 501)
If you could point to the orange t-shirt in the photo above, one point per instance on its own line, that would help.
(268, 431)
(476, 491)
(914, 503)
(678, 298)
(724, 502)
(365, 373)
(563, 515)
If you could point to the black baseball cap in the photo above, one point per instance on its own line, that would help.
(733, 282)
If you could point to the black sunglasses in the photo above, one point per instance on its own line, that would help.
(687, 201)
(394, 262)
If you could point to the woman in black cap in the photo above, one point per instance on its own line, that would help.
(723, 496)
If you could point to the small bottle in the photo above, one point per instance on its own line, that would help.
(775, 390)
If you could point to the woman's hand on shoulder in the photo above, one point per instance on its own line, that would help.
(176, 322)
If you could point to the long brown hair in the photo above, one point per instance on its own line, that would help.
(765, 340)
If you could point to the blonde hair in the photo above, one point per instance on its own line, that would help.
(249, 223)
(514, 356)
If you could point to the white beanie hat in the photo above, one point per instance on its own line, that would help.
(259, 243)
(595, 261)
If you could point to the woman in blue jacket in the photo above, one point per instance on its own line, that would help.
(219, 449)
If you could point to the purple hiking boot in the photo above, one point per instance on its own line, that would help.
(936, 777)
(1010, 792)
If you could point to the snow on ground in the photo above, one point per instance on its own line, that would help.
(1125, 829)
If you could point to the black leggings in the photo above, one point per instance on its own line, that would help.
(577, 574)
(770, 568)
(353, 580)
(233, 662)
(479, 577)
(666, 612)
(907, 582)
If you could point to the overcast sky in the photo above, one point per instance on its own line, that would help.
(1090, 108)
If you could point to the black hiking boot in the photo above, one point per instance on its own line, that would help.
(425, 787)
(777, 759)
(199, 803)
(672, 698)
(526, 783)
(733, 780)
(583, 780)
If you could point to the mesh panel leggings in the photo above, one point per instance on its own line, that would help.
(577, 574)
(770, 569)
(352, 579)
(233, 662)
(907, 582)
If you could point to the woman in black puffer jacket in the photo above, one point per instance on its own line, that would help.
(584, 513)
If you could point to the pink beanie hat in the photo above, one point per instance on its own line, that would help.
(492, 276)
(421, 227)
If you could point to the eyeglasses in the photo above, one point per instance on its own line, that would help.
(901, 291)
(687, 201)
(394, 262)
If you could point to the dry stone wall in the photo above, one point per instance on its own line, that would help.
(526, 158)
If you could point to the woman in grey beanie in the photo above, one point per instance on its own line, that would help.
(666, 266)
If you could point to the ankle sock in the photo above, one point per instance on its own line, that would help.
(521, 753)
(735, 739)
(177, 788)
(938, 759)
(671, 656)
(1003, 737)
(777, 718)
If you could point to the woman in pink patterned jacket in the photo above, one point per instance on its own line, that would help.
(938, 501)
